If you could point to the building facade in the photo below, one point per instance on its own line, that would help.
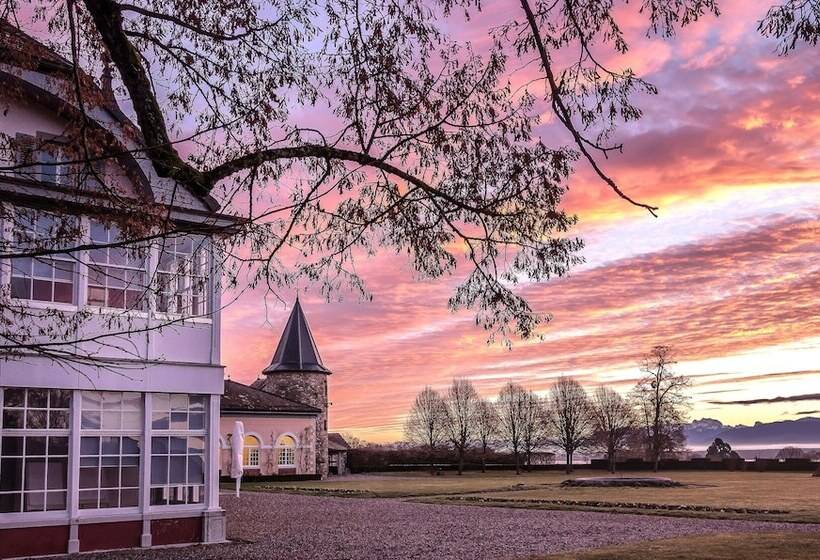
(121, 451)
(296, 375)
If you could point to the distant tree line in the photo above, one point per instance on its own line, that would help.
(648, 422)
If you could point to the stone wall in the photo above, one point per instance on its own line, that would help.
(307, 388)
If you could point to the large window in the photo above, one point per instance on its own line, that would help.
(110, 449)
(42, 278)
(250, 452)
(182, 276)
(34, 450)
(286, 451)
(116, 275)
(178, 455)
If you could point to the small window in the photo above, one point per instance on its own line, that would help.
(116, 275)
(286, 456)
(49, 278)
(182, 276)
(250, 453)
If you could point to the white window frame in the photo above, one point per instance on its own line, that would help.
(168, 487)
(119, 432)
(286, 450)
(126, 269)
(251, 459)
(47, 433)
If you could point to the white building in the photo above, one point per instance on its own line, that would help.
(122, 456)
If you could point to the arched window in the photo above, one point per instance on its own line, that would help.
(286, 456)
(250, 454)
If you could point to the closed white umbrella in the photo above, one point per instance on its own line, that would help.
(238, 449)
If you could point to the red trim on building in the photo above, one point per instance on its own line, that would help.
(176, 531)
(33, 541)
(107, 536)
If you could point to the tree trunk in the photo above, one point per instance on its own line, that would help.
(611, 454)
(432, 463)
(460, 462)
(484, 459)
(517, 463)
(569, 463)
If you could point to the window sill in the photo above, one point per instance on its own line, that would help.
(46, 305)
(117, 311)
(178, 318)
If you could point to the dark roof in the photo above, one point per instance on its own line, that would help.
(297, 350)
(243, 398)
(335, 442)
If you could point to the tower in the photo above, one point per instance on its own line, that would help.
(297, 373)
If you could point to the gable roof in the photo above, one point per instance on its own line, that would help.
(296, 350)
(335, 442)
(20, 50)
(241, 398)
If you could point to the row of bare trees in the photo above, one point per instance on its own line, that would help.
(568, 418)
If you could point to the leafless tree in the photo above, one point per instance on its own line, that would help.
(613, 421)
(425, 149)
(512, 410)
(569, 418)
(661, 403)
(533, 426)
(487, 424)
(460, 408)
(425, 425)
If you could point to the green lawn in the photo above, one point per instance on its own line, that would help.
(798, 494)
(782, 546)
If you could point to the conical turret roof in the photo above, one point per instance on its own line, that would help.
(296, 350)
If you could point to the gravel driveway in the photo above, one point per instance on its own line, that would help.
(294, 527)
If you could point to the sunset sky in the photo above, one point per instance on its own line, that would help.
(729, 274)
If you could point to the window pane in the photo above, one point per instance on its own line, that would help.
(110, 477)
(38, 398)
(35, 473)
(11, 473)
(57, 473)
(158, 497)
(60, 398)
(161, 401)
(10, 503)
(90, 420)
(178, 445)
(179, 420)
(42, 290)
(58, 419)
(129, 498)
(63, 292)
(20, 288)
(196, 470)
(89, 477)
(196, 421)
(36, 419)
(130, 446)
(179, 402)
(89, 445)
(159, 445)
(34, 501)
(161, 421)
(110, 445)
(92, 400)
(35, 445)
(89, 499)
(12, 419)
(159, 470)
(14, 397)
(12, 446)
(130, 476)
(111, 420)
(43, 269)
(177, 470)
(57, 445)
(55, 501)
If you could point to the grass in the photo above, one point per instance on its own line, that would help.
(721, 494)
(783, 546)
